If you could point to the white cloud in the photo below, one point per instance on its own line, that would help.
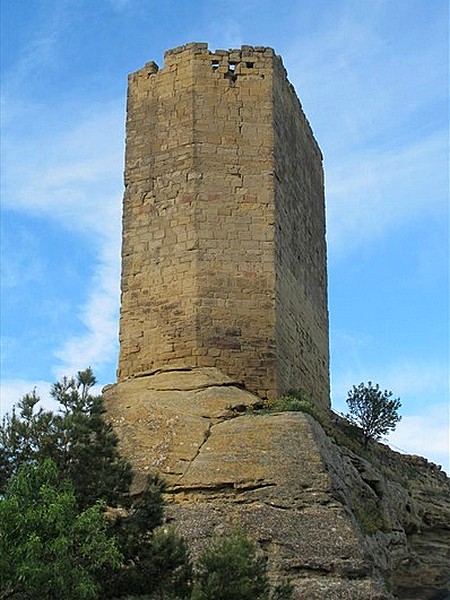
(21, 263)
(423, 389)
(13, 390)
(230, 32)
(97, 345)
(354, 84)
(376, 115)
(408, 378)
(73, 175)
(425, 435)
(40, 52)
(371, 194)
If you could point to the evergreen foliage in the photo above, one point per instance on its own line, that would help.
(26, 437)
(48, 548)
(71, 530)
(230, 568)
(83, 450)
(85, 439)
(79, 441)
(373, 410)
(155, 559)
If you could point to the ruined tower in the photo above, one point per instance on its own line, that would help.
(224, 255)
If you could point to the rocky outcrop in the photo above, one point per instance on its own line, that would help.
(338, 525)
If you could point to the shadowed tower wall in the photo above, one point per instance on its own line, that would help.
(223, 255)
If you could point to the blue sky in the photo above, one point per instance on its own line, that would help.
(372, 76)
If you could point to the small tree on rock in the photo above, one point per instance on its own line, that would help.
(372, 409)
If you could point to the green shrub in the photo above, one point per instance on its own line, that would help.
(373, 410)
(233, 568)
(48, 549)
(83, 450)
(294, 400)
(282, 591)
(370, 516)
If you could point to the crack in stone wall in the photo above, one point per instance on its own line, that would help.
(199, 449)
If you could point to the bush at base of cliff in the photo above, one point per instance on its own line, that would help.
(232, 568)
(48, 549)
(84, 451)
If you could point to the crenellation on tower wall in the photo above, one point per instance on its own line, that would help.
(220, 170)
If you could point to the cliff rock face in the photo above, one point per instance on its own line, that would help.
(338, 525)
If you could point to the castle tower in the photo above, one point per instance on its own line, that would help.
(224, 255)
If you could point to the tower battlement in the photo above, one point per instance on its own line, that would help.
(224, 255)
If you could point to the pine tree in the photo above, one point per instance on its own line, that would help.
(84, 450)
(87, 447)
(82, 444)
(231, 568)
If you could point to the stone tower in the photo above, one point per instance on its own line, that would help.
(224, 254)
(223, 282)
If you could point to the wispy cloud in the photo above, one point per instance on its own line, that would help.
(414, 380)
(73, 177)
(13, 390)
(38, 54)
(99, 318)
(68, 171)
(425, 435)
(354, 85)
(64, 165)
(23, 264)
(372, 193)
(423, 389)
(230, 32)
(386, 163)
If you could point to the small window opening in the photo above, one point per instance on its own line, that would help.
(232, 66)
(231, 75)
(249, 65)
(215, 64)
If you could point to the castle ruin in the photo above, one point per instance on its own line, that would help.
(223, 283)
(224, 253)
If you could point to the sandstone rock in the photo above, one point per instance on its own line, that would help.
(164, 419)
(338, 525)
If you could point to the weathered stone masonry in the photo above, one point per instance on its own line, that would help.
(224, 257)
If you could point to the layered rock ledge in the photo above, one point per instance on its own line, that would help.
(338, 525)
